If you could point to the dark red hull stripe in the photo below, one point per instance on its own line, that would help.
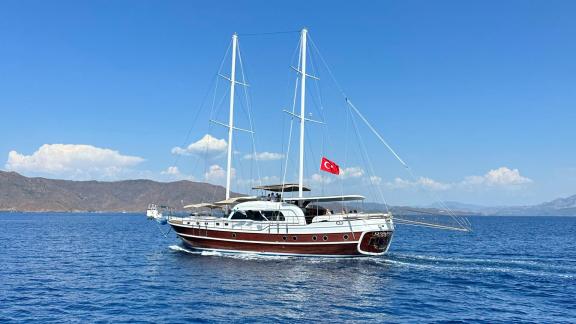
(312, 249)
(351, 237)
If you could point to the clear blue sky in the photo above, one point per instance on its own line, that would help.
(478, 97)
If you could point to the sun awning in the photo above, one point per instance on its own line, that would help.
(202, 205)
(235, 200)
(327, 198)
(287, 187)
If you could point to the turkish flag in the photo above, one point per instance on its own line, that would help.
(329, 166)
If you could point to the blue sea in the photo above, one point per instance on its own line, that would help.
(120, 268)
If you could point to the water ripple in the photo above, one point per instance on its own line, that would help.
(117, 268)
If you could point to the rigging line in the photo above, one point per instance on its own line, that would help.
(270, 33)
(365, 159)
(289, 96)
(213, 113)
(354, 107)
(462, 221)
(404, 221)
(368, 162)
(213, 83)
(290, 135)
(194, 120)
(376, 133)
(219, 71)
(205, 152)
(250, 120)
(346, 125)
(316, 72)
(340, 89)
(291, 119)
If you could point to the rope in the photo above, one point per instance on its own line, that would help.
(462, 221)
(250, 120)
(160, 229)
(291, 124)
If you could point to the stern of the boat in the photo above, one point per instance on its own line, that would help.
(374, 243)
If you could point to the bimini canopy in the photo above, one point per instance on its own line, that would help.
(235, 200)
(203, 205)
(327, 198)
(287, 187)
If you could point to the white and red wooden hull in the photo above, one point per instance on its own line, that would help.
(335, 241)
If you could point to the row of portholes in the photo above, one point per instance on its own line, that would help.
(314, 238)
(206, 223)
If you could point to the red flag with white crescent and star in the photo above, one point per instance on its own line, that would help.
(329, 166)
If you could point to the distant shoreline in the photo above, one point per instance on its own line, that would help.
(21, 194)
(143, 213)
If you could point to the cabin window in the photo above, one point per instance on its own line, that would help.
(239, 215)
(254, 215)
(274, 215)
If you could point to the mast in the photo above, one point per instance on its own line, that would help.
(302, 110)
(231, 115)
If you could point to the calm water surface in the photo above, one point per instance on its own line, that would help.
(119, 268)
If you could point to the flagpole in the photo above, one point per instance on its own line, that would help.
(302, 112)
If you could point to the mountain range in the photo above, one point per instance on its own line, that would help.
(20, 193)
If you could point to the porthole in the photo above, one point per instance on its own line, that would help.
(225, 224)
(294, 238)
(325, 238)
(314, 238)
(346, 237)
(284, 238)
(234, 235)
(197, 223)
(217, 224)
(205, 223)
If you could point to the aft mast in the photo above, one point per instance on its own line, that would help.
(231, 115)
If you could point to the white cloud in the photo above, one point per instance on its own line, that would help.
(264, 156)
(351, 172)
(376, 180)
(270, 180)
(216, 173)
(266, 180)
(420, 183)
(171, 170)
(73, 161)
(174, 173)
(319, 179)
(348, 174)
(501, 177)
(207, 145)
